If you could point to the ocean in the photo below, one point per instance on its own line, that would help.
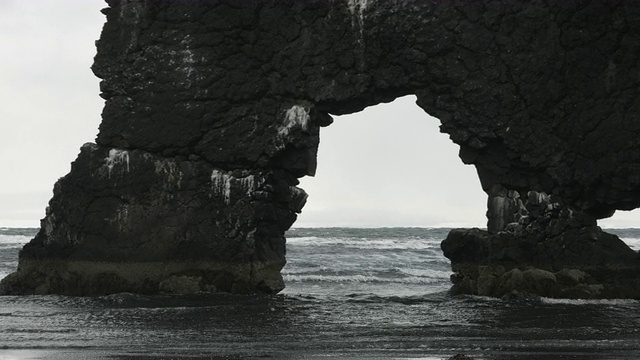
(351, 294)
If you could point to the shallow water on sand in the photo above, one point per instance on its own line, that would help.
(351, 293)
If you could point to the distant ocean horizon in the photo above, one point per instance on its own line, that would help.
(351, 293)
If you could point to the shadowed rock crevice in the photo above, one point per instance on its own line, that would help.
(213, 111)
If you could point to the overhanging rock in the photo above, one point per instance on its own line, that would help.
(213, 111)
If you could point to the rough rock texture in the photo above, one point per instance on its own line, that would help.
(213, 111)
(537, 245)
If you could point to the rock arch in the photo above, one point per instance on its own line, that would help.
(213, 109)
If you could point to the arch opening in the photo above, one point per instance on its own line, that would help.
(387, 189)
(625, 225)
(622, 219)
(389, 166)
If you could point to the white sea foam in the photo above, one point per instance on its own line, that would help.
(14, 239)
(357, 279)
(551, 301)
(634, 243)
(426, 273)
(407, 276)
(409, 244)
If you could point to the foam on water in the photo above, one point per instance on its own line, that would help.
(409, 244)
(388, 300)
(431, 273)
(14, 239)
(358, 279)
(579, 302)
(630, 236)
(634, 243)
(11, 241)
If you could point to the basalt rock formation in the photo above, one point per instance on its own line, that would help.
(547, 249)
(213, 110)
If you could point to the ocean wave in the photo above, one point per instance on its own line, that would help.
(358, 279)
(394, 272)
(633, 243)
(426, 273)
(39, 331)
(14, 239)
(382, 244)
(370, 233)
(434, 297)
(550, 301)
(29, 232)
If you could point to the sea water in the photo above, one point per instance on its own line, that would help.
(351, 293)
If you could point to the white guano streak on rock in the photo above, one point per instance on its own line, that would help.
(170, 173)
(130, 15)
(223, 183)
(116, 157)
(48, 223)
(297, 116)
(296, 191)
(357, 8)
(187, 57)
(121, 217)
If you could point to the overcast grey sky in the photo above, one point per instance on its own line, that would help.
(385, 166)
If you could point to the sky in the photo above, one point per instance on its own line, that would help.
(386, 166)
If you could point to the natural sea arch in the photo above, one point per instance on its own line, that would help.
(622, 220)
(213, 112)
(389, 165)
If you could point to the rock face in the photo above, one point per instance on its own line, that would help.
(547, 249)
(213, 111)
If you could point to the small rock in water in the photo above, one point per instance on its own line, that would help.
(460, 357)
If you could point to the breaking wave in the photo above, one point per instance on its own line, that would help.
(358, 279)
(380, 244)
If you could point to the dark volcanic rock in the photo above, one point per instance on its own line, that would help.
(549, 249)
(213, 109)
(460, 357)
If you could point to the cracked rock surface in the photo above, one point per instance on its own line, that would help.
(213, 111)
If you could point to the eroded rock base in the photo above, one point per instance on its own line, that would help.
(500, 265)
(133, 221)
(89, 278)
(537, 246)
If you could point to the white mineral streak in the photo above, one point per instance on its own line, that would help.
(299, 194)
(130, 14)
(357, 8)
(170, 173)
(116, 157)
(500, 209)
(187, 57)
(542, 198)
(224, 184)
(296, 191)
(297, 116)
(48, 225)
(122, 216)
